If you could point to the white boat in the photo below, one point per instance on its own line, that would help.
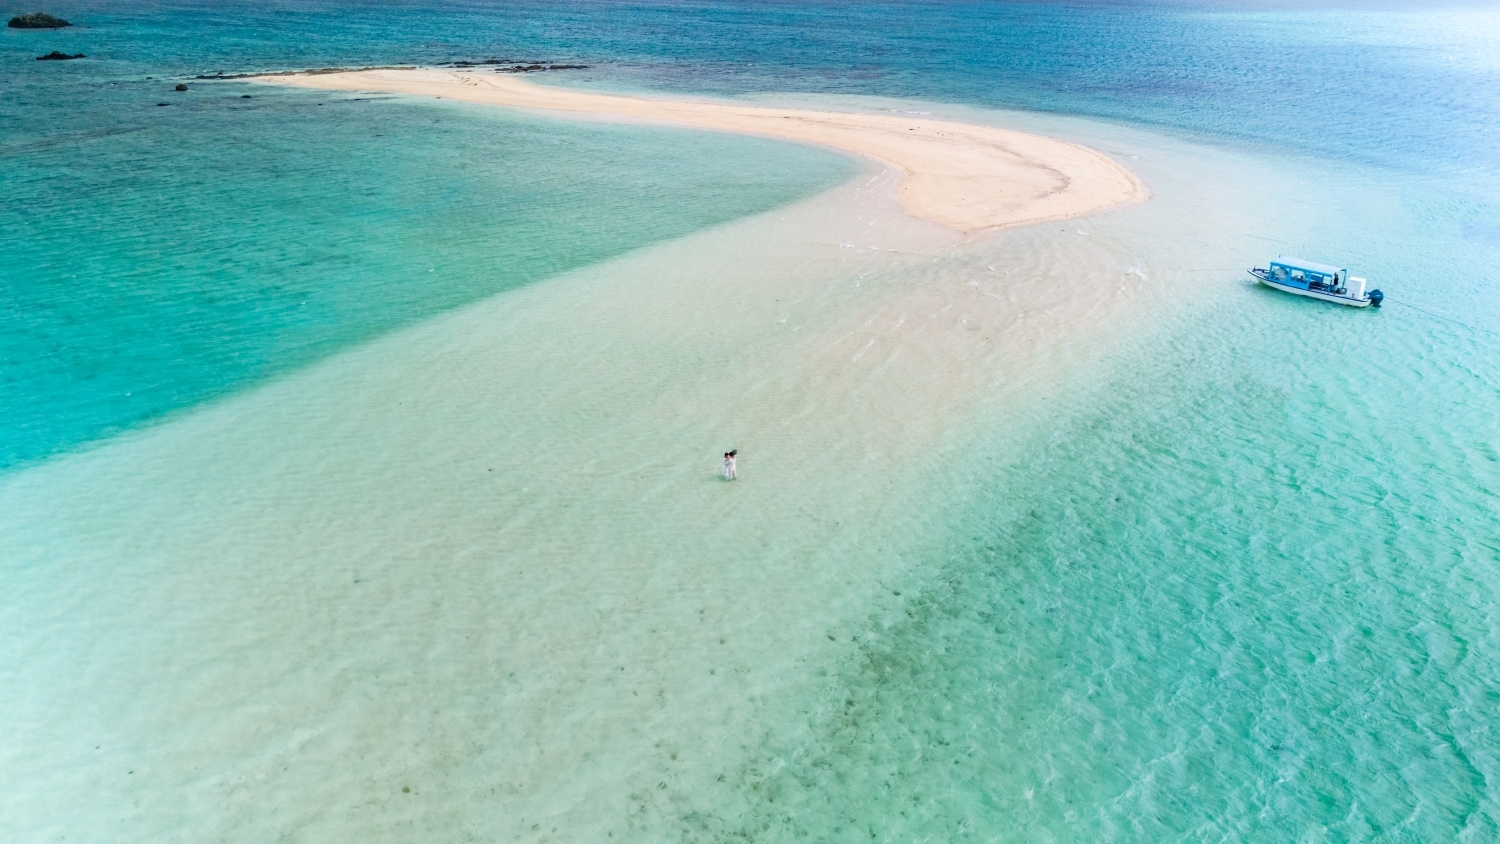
(1318, 281)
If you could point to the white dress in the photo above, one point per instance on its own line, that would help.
(729, 469)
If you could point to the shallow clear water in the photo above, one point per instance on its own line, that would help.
(1236, 596)
(158, 257)
(1065, 534)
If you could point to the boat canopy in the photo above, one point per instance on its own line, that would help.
(1310, 266)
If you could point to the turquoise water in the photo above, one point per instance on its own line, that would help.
(1236, 578)
(158, 257)
(1238, 597)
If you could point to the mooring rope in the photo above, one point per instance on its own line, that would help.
(1388, 300)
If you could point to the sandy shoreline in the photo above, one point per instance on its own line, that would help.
(969, 178)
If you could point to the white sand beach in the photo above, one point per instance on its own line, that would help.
(965, 177)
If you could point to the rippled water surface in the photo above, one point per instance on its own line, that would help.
(350, 482)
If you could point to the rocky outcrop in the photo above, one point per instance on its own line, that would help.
(55, 56)
(513, 66)
(37, 20)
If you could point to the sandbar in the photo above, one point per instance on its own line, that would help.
(966, 177)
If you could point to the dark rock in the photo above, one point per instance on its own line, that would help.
(244, 96)
(55, 56)
(535, 67)
(181, 86)
(37, 20)
(515, 66)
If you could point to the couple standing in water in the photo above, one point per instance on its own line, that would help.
(731, 471)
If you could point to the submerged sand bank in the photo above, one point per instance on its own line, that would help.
(478, 579)
(961, 176)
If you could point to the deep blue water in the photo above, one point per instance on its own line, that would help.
(1400, 83)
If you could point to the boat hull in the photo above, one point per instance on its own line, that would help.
(1314, 294)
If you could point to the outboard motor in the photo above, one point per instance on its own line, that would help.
(1375, 297)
